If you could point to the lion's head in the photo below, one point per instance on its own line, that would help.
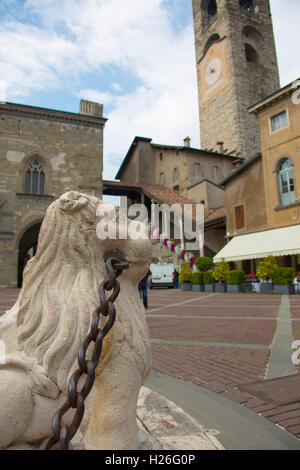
(60, 284)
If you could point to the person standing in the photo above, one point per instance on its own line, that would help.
(143, 289)
(176, 279)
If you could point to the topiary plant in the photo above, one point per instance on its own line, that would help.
(283, 276)
(197, 278)
(208, 277)
(235, 277)
(185, 274)
(221, 271)
(266, 268)
(203, 263)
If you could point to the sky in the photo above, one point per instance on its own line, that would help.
(136, 57)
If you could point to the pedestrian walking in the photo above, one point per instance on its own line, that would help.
(143, 289)
(176, 279)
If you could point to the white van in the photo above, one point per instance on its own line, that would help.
(162, 275)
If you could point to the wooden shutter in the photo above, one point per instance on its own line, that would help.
(239, 217)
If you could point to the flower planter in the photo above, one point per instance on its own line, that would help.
(247, 287)
(235, 288)
(209, 287)
(284, 289)
(186, 286)
(265, 287)
(220, 287)
(198, 287)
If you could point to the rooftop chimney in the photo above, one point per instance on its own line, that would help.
(187, 142)
(90, 108)
(220, 146)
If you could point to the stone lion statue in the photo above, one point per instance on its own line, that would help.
(43, 331)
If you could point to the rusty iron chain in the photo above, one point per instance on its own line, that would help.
(115, 263)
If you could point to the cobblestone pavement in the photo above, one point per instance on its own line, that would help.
(219, 342)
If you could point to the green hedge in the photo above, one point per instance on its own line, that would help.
(221, 271)
(208, 277)
(266, 268)
(235, 277)
(203, 263)
(185, 274)
(283, 276)
(197, 278)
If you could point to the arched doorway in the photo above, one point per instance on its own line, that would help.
(27, 248)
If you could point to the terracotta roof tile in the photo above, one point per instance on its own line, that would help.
(161, 194)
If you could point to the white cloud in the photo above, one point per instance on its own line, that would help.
(136, 39)
(136, 36)
(286, 16)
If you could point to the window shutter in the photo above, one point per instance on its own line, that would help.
(239, 217)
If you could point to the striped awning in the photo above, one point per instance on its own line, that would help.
(277, 242)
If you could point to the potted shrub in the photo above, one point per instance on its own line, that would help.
(283, 279)
(203, 263)
(220, 274)
(251, 283)
(265, 272)
(185, 277)
(235, 280)
(209, 285)
(198, 282)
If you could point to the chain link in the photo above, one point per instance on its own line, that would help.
(115, 263)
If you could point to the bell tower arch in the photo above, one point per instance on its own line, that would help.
(236, 67)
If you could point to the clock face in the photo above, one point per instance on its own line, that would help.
(213, 71)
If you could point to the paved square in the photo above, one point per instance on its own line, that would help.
(221, 341)
(217, 341)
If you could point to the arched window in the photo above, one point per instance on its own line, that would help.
(35, 178)
(286, 182)
(253, 36)
(251, 54)
(247, 4)
(213, 38)
(212, 8)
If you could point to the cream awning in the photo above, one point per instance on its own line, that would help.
(277, 242)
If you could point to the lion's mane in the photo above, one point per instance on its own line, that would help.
(60, 285)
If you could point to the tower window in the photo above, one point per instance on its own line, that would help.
(251, 54)
(35, 178)
(213, 38)
(160, 156)
(212, 8)
(286, 182)
(162, 178)
(247, 4)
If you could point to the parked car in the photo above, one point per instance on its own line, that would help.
(162, 275)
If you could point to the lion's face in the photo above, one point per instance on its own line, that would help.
(107, 229)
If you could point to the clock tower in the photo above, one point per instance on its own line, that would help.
(236, 67)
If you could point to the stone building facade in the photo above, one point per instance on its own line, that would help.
(236, 67)
(181, 173)
(191, 172)
(245, 198)
(43, 153)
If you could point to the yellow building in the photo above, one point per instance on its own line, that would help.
(279, 119)
(268, 217)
